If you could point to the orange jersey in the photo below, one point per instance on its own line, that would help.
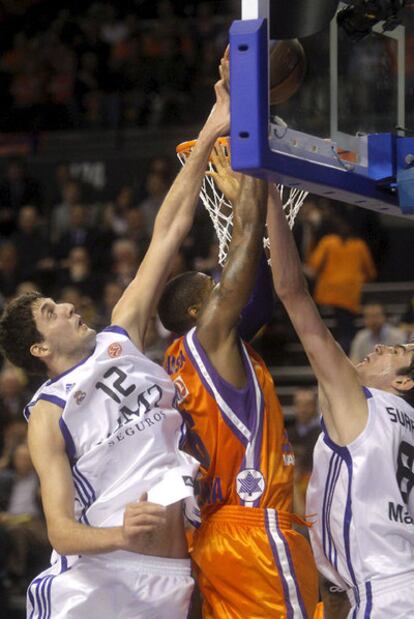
(250, 562)
(237, 435)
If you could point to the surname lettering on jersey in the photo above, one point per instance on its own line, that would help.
(397, 416)
(399, 513)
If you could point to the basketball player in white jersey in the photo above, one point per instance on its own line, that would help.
(104, 432)
(361, 490)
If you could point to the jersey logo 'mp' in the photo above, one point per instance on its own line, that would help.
(250, 485)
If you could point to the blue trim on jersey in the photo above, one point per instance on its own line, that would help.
(347, 523)
(41, 601)
(368, 593)
(367, 393)
(116, 329)
(69, 442)
(54, 399)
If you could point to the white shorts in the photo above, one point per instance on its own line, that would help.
(117, 585)
(386, 598)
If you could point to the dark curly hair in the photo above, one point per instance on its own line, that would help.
(180, 293)
(18, 332)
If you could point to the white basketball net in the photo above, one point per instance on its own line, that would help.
(220, 208)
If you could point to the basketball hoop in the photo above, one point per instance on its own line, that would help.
(220, 208)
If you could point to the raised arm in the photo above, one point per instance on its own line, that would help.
(343, 403)
(66, 535)
(217, 325)
(172, 225)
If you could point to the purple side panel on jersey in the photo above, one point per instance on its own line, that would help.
(332, 545)
(116, 329)
(241, 401)
(325, 499)
(69, 442)
(226, 420)
(368, 592)
(290, 613)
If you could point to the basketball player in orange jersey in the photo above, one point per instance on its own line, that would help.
(250, 562)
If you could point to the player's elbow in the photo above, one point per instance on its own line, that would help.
(60, 538)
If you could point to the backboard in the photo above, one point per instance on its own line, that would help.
(342, 135)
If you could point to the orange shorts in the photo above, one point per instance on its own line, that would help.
(251, 564)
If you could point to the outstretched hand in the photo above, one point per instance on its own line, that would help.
(219, 119)
(226, 180)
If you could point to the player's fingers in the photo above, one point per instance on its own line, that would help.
(135, 522)
(144, 507)
(144, 497)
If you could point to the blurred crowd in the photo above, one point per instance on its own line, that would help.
(108, 64)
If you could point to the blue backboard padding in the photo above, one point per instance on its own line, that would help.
(381, 155)
(405, 180)
(249, 93)
(250, 148)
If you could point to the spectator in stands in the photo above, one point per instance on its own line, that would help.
(10, 275)
(78, 233)
(21, 517)
(376, 331)
(31, 242)
(17, 189)
(303, 435)
(13, 394)
(71, 196)
(112, 292)
(137, 228)
(156, 186)
(407, 319)
(78, 273)
(306, 427)
(124, 261)
(341, 263)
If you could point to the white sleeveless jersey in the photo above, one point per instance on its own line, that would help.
(121, 430)
(361, 498)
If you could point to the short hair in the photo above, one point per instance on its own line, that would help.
(180, 293)
(408, 396)
(18, 332)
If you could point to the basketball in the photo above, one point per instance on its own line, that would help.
(287, 70)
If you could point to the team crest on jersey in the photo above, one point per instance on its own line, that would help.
(250, 484)
(79, 397)
(181, 389)
(114, 350)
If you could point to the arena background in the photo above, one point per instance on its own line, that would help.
(95, 97)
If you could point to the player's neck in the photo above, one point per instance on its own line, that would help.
(60, 364)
